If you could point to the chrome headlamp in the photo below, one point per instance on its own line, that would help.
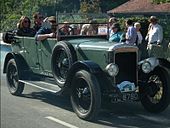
(146, 67)
(112, 69)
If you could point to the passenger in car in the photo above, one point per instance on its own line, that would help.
(76, 28)
(49, 29)
(23, 27)
(38, 20)
(116, 35)
(89, 29)
(66, 29)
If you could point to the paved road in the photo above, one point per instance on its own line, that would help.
(40, 109)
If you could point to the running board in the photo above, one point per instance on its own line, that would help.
(44, 86)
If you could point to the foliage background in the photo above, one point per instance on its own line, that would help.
(12, 10)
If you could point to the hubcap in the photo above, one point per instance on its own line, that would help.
(82, 95)
(156, 86)
(13, 77)
(62, 65)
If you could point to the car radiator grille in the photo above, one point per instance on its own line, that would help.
(127, 63)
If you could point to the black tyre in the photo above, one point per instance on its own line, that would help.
(155, 97)
(15, 87)
(85, 95)
(63, 57)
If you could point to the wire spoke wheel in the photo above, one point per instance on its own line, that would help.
(155, 98)
(85, 95)
(12, 76)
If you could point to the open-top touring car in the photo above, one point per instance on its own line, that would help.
(93, 70)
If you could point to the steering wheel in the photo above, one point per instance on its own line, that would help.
(70, 30)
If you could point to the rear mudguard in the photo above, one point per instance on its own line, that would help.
(23, 68)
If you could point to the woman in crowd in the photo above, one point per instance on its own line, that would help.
(116, 35)
(139, 35)
(137, 25)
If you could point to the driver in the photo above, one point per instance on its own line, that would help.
(48, 29)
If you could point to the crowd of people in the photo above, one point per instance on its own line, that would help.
(44, 28)
(132, 35)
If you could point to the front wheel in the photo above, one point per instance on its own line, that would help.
(85, 95)
(155, 97)
(15, 87)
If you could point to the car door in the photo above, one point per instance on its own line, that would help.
(45, 52)
(31, 53)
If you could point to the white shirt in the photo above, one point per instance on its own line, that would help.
(140, 38)
(155, 34)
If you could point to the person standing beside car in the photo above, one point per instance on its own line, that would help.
(137, 26)
(131, 33)
(155, 32)
(139, 40)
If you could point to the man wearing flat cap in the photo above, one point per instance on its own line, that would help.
(48, 29)
(155, 32)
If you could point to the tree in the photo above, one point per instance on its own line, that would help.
(90, 6)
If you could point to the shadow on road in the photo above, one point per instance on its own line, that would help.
(50, 98)
(118, 115)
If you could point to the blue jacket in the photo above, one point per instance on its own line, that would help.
(116, 37)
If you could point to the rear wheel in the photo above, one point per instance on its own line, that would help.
(15, 87)
(85, 95)
(155, 97)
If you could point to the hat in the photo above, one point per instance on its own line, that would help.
(115, 25)
(52, 18)
(113, 19)
(137, 24)
(153, 18)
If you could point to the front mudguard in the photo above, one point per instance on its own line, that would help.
(80, 65)
(155, 63)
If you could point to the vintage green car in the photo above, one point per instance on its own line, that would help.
(91, 69)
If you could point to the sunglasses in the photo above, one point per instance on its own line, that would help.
(41, 17)
(26, 21)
